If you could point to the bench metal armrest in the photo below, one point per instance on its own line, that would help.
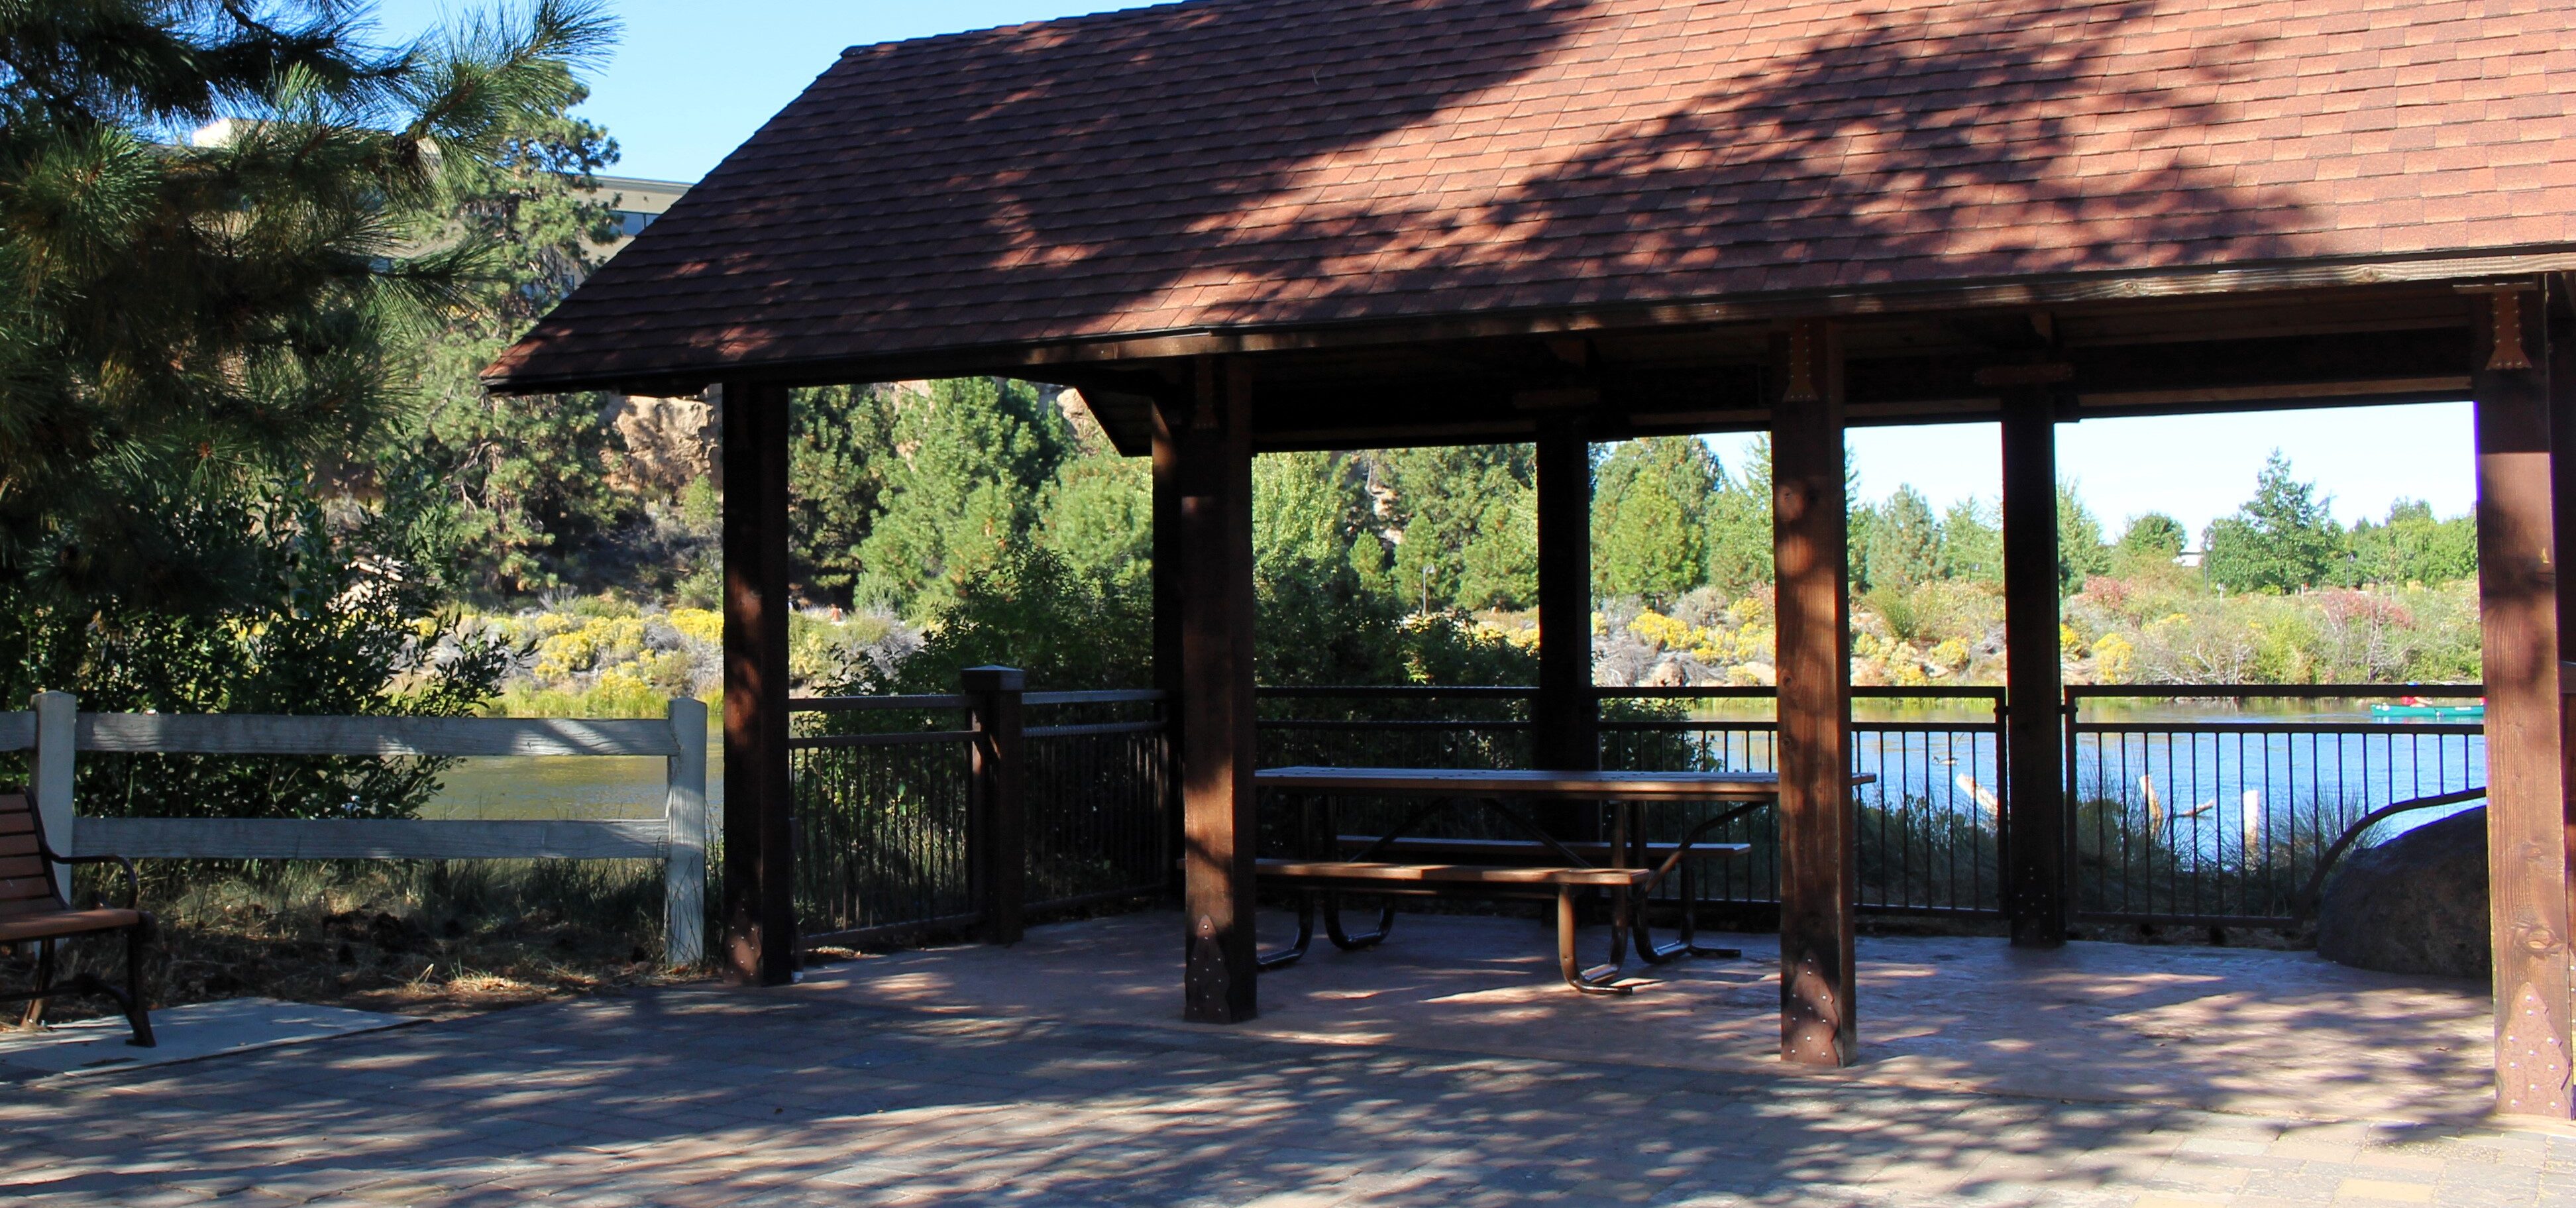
(133, 887)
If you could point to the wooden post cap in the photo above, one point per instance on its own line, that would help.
(993, 679)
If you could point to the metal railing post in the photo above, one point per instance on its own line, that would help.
(996, 809)
(684, 814)
(50, 768)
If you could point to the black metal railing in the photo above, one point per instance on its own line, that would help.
(909, 812)
(2195, 805)
(2224, 818)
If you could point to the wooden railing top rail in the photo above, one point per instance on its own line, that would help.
(1099, 696)
(374, 838)
(17, 730)
(849, 704)
(1104, 696)
(1521, 691)
(273, 734)
(2292, 691)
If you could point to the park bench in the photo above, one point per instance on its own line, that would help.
(33, 911)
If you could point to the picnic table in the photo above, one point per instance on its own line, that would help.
(1541, 866)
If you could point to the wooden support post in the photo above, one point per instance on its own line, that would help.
(1566, 734)
(2559, 315)
(2527, 860)
(1214, 554)
(2034, 809)
(1819, 860)
(684, 854)
(1168, 561)
(760, 905)
(996, 805)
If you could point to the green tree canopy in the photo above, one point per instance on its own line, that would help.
(183, 323)
(2412, 546)
(2283, 539)
(525, 489)
(1739, 525)
(1650, 501)
(1972, 543)
(1469, 515)
(1904, 542)
(2081, 552)
(2153, 535)
(971, 455)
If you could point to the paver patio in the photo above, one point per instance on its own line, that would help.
(946, 1076)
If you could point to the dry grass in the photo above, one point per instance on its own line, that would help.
(418, 938)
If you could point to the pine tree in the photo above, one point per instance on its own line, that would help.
(963, 489)
(526, 489)
(2283, 539)
(1649, 516)
(1468, 514)
(1904, 545)
(1739, 525)
(1972, 543)
(2081, 552)
(184, 324)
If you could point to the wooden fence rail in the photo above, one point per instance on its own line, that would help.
(56, 731)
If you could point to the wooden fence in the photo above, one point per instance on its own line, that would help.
(55, 731)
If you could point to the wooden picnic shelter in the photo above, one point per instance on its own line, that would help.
(1243, 226)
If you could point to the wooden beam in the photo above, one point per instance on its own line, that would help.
(1214, 454)
(1819, 861)
(1566, 711)
(2034, 814)
(2527, 859)
(759, 903)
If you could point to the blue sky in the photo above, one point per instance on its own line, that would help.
(691, 80)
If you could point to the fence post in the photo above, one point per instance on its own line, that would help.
(57, 723)
(996, 811)
(684, 815)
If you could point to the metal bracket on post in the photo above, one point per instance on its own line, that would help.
(997, 812)
(57, 725)
(684, 817)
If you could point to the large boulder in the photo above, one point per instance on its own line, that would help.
(2415, 904)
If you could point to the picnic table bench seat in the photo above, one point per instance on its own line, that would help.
(33, 911)
(1398, 864)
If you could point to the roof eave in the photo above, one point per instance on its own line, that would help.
(1032, 358)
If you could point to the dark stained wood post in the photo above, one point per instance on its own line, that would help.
(1213, 442)
(1167, 624)
(759, 895)
(1819, 860)
(2560, 317)
(997, 803)
(1565, 736)
(2034, 808)
(2518, 611)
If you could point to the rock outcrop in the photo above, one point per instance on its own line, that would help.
(2415, 904)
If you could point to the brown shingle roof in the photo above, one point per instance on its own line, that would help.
(1284, 162)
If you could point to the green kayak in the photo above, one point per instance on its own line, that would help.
(2459, 712)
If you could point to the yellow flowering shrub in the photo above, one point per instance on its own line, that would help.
(2114, 659)
(701, 624)
(1662, 631)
